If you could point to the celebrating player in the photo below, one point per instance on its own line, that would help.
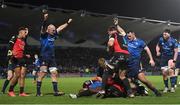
(47, 54)
(135, 48)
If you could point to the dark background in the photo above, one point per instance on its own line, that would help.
(152, 9)
(85, 38)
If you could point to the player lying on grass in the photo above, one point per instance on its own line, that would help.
(89, 88)
(114, 80)
(92, 87)
(115, 89)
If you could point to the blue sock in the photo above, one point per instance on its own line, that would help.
(55, 87)
(39, 87)
(173, 81)
(176, 79)
(166, 83)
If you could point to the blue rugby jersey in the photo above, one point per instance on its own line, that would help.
(47, 45)
(167, 47)
(37, 62)
(95, 85)
(135, 47)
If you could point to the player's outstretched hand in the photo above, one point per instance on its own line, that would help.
(69, 21)
(115, 21)
(45, 16)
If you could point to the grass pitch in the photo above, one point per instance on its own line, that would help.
(72, 85)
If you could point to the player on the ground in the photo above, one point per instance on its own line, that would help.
(90, 87)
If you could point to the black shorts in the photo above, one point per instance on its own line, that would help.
(119, 61)
(10, 65)
(114, 91)
(18, 62)
(36, 69)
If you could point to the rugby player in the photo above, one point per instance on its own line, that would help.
(167, 48)
(47, 54)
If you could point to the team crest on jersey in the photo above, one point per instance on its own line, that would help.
(170, 44)
(136, 43)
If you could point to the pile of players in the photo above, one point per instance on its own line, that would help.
(118, 73)
(122, 73)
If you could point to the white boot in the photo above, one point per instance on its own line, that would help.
(165, 90)
(74, 96)
(172, 90)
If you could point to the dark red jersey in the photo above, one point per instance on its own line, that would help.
(119, 44)
(18, 48)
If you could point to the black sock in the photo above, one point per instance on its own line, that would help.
(85, 93)
(127, 85)
(39, 87)
(21, 90)
(105, 77)
(176, 77)
(166, 83)
(155, 90)
(16, 83)
(6, 82)
(34, 78)
(11, 88)
(55, 87)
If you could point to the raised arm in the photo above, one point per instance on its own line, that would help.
(44, 23)
(121, 31)
(61, 27)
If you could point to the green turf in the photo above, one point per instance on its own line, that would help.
(72, 85)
